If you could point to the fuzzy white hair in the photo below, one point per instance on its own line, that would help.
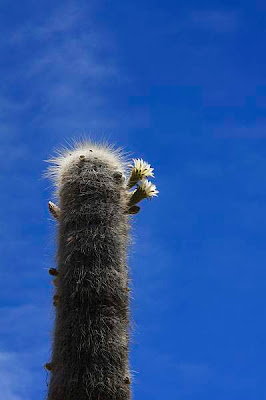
(66, 157)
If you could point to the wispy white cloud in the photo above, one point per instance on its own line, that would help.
(13, 319)
(210, 20)
(68, 76)
(213, 20)
(66, 71)
(24, 349)
(61, 21)
(15, 377)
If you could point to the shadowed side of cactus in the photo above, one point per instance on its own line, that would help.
(91, 334)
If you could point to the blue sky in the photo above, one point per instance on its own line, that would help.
(183, 85)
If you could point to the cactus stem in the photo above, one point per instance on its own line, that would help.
(92, 325)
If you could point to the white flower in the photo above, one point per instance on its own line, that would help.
(142, 168)
(145, 190)
(148, 188)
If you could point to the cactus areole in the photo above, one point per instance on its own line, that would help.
(91, 334)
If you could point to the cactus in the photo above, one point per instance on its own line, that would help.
(91, 334)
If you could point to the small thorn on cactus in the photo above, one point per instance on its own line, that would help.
(127, 380)
(56, 281)
(133, 210)
(53, 272)
(56, 300)
(70, 239)
(48, 366)
(54, 209)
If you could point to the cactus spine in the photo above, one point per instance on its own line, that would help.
(91, 333)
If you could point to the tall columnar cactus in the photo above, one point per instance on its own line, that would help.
(91, 333)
